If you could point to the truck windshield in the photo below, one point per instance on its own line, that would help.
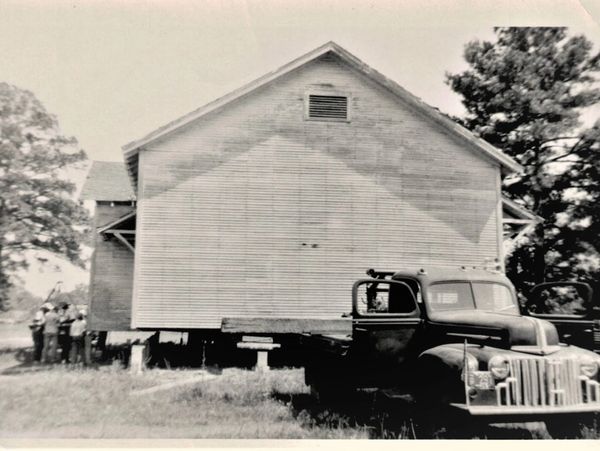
(490, 297)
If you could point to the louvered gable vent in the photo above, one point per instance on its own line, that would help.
(327, 107)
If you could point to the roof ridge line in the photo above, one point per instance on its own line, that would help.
(131, 149)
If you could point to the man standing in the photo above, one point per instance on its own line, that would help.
(64, 338)
(50, 336)
(37, 333)
(77, 333)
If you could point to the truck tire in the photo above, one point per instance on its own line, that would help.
(438, 387)
(568, 427)
(428, 424)
(442, 423)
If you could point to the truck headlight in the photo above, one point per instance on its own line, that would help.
(499, 366)
(588, 367)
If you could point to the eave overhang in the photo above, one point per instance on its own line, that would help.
(123, 229)
(517, 220)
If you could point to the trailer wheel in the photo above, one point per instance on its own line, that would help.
(324, 391)
(327, 390)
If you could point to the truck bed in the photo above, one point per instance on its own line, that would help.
(337, 344)
(261, 325)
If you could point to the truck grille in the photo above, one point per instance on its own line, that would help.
(546, 382)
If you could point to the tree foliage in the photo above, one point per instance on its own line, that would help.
(77, 296)
(525, 93)
(23, 300)
(37, 209)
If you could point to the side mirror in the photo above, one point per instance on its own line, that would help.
(560, 299)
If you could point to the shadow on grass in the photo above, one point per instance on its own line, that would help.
(383, 420)
(24, 363)
(358, 411)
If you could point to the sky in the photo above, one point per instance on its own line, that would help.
(113, 71)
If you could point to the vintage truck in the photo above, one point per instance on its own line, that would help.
(454, 344)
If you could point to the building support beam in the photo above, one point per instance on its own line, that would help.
(124, 241)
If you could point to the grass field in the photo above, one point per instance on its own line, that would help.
(59, 402)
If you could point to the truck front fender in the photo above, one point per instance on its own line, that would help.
(439, 375)
(448, 356)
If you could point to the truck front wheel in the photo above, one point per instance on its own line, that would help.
(568, 427)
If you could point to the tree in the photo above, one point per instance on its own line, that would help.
(77, 296)
(582, 179)
(23, 300)
(524, 94)
(37, 209)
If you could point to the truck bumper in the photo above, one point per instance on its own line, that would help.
(524, 413)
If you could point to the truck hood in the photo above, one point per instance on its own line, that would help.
(509, 331)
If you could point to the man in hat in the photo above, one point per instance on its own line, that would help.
(37, 333)
(51, 323)
(77, 333)
(64, 338)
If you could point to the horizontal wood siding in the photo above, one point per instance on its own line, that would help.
(254, 211)
(111, 276)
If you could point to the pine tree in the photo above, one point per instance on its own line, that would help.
(524, 93)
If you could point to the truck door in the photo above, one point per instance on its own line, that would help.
(386, 318)
(568, 305)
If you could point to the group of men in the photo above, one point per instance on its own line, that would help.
(59, 334)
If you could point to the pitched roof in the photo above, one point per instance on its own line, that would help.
(131, 150)
(107, 181)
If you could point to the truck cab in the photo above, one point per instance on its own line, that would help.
(455, 338)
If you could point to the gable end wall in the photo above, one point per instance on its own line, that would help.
(254, 211)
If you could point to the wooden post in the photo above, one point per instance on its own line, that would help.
(102, 337)
(87, 349)
(137, 359)
(262, 363)
(262, 346)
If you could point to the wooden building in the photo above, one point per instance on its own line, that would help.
(111, 283)
(272, 200)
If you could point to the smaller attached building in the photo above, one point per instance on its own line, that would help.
(111, 280)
